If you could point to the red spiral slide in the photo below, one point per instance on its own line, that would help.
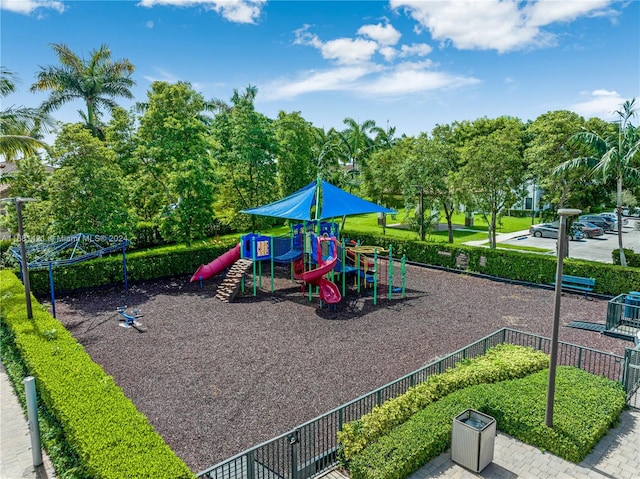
(206, 271)
(329, 292)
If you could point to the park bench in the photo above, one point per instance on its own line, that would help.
(577, 283)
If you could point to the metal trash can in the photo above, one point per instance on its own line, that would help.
(632, 305)
(472, 440)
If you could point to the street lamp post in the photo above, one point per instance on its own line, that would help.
(551, 389)
(23, 253)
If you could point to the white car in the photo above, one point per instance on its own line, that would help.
(614, 218)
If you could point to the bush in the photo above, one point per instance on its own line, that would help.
(511, 265)
(633, 258)
(102, 426)
(161, 262)
(505, 361)
(585, 407)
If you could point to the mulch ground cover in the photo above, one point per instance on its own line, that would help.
(216, 378)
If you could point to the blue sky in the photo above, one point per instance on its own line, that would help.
(405, 64)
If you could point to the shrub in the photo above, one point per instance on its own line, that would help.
(505, 361)
(633, 258)
(511, 265)
(102, 426)
(585, 407)
(161, 262)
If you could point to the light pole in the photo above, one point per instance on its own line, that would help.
(551, 389)
(23, 254)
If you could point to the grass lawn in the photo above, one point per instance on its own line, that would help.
(368, 224)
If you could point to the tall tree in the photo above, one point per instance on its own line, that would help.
(96, 81)
(548, 147)
(296, 140)
(86, 190)
(246, 157)
(613, 154)
(21, 128)
(356, 146)
(175, 149)
(493, 170)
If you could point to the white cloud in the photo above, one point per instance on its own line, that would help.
(417, 49)
(369, 80)
(341, 78)
(344, 51)
(502, 25)
(28, 6)
(383, 34)
(545, 12)
(600, 104)
(237, 11)
(163, 75)
(150, 24)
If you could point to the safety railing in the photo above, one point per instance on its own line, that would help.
(311, 448)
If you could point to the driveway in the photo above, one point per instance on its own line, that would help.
(594, 249)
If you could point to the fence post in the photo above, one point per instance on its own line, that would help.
(251, 471)
(32, 414)
(293, 441)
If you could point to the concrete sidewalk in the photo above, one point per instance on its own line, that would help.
(16, 461)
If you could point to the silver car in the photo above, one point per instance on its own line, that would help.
(548, 230)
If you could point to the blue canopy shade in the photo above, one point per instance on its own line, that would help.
(334, 203)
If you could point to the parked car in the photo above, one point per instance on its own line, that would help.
(631, 211)
(589, 230)
(548, 230)
(614, 217)
(599, 221)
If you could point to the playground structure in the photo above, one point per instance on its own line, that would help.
(322, 265)
(70, 250)
(312, 249)
(130, 320)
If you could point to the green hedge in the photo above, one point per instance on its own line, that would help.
(633, 258)
(154, 263)
(512, 265)
(178, 260)
(584, 409)
(109, 436)
(505, 361)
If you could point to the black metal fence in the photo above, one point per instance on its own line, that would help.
(311, 448)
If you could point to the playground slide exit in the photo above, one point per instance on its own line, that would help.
(329, 291)
(206, 271)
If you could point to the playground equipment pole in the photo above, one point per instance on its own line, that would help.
(344, 272)
(390, 271)
(51, 287)
(124, 268)
(253, 258)
(271, 254)
(375, 276)
(403, 270)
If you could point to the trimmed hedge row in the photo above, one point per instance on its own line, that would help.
(502, 362)
(109, 436)
(633, 258)
(513, 265)
(583, 412)
(162, 262)
(179, 260)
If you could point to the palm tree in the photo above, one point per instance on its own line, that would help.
(96, 81)
(614, 154)
(20, 127)
(357, 146)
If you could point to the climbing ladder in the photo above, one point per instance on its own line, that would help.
(228, 289)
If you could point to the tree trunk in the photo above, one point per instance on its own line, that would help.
(623, 258)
